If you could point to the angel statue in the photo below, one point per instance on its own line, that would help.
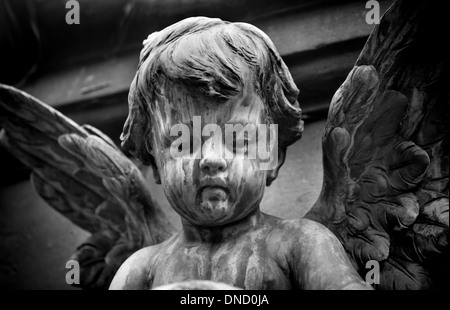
(384, 197)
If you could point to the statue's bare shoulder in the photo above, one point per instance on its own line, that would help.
(137, 271)
(314, 256)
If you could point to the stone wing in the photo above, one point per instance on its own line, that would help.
(82, 174)
(385, 151)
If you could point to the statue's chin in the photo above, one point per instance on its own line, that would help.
(214, 211)
(213, 206)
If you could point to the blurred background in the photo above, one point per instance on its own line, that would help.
(84, 70)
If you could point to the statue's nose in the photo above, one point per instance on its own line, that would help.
(212, 161)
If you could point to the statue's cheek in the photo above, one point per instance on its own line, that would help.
(245, 170)
(172, 175)
(179, 174)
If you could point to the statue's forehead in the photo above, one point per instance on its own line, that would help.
(181, 106)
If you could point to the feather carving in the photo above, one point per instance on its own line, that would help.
(80, 172)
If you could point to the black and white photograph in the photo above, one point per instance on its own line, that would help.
(233, 146)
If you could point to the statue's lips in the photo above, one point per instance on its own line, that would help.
(214, 193)
(213, 190)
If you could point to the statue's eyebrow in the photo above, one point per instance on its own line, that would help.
(165, 132)
(237, 122)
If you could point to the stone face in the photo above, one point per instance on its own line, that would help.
(296, 188)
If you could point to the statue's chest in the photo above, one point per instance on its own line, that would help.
(246, 266)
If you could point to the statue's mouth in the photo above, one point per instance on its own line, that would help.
(213, 190)
(214, 193)
(213, 202)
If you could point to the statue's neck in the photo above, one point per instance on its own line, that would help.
(194, 234)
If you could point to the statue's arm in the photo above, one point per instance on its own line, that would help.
(319, 261)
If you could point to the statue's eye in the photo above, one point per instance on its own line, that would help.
(240, 141)
(191, 146)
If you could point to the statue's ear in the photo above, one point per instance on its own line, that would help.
(273, 174)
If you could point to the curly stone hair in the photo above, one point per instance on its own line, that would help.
(216, 50)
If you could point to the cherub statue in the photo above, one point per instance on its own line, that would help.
(223, 73)
(380, 163)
